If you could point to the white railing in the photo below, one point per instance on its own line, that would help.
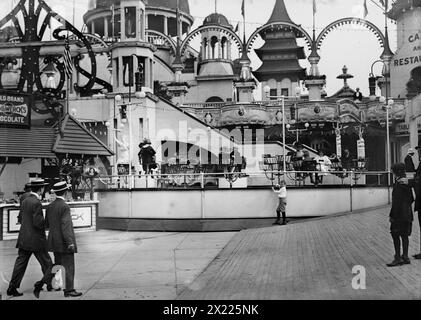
(237, 179)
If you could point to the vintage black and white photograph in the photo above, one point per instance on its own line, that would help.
(210, 150)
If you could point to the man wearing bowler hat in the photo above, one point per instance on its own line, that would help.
(417, 188)
(31, 240)
(61, 238)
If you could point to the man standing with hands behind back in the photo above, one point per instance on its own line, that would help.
(61, 239)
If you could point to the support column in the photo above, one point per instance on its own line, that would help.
(147, 73)
(219, 49)
(203, 50)
(229, 50)
(93, 26)
(414, 109)
(180, 27)
(166, 25)
(121, 73)
(106, 35)
(209, 49)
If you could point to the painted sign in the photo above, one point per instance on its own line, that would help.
(361, 149)
(338, 144)
(81, 218)
(15, 111)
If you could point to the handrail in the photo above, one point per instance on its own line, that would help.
(253, 179)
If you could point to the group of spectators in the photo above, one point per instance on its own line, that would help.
(302, 161)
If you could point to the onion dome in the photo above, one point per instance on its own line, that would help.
(217, 19)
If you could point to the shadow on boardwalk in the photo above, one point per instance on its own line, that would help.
(311, 260)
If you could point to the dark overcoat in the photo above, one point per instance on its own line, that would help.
(417, 189)
(32, 231)
(402, 200)
(59, 221)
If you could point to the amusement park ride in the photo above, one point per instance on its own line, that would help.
(36, 57)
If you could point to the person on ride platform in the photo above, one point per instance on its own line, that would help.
(323, 165)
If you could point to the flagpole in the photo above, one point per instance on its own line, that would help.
(314, 17)
(244, 20)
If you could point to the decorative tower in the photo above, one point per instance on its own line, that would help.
(132, 56)
(216, 66)
(245, 83)
(280, 55)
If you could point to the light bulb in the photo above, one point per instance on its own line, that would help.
(140, 94)
(118, 98)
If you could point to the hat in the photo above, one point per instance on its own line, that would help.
(417, 147)
(398, 169)
(60, 186)
(411, 151)
(37, 183)
(147, 141)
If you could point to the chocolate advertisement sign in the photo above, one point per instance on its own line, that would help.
(15, 111)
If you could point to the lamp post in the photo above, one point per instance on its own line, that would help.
(388, 105)
(118, 98)
(266, 89)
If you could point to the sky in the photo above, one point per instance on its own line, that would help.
(349, 45)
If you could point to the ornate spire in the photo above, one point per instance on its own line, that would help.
(280, 13)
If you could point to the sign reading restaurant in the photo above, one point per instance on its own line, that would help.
(14, 111)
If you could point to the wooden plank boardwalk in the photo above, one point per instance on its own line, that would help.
(311, 260)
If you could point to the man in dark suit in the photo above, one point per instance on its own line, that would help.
(417, 188)
(27, 193)
(409, 163)
(31, 240)
(61, 238)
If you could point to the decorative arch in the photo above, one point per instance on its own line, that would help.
(344, 21)
(299, 32)
(224, 30)
(154, 36)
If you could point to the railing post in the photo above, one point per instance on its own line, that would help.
(202, 180)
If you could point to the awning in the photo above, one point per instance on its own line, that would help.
(76, 140)
(24, 143)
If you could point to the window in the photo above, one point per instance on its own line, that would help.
(141, 137)
(273, 93)
(117, 70)
(285, 92)
(128, 71)
(130, 20)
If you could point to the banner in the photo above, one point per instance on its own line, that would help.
(15, 111)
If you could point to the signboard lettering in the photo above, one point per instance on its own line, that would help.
(81, 218)
(15, 111)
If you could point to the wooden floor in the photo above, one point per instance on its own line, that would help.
(311, 260)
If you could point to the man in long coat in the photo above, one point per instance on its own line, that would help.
(31, 240)
(61, 238)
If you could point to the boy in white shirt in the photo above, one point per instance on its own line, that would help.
(281, 190)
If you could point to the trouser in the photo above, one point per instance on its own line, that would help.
(67, 260)
(278, 215)
(397, 245)
(21, 264)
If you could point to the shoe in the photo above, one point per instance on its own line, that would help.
(277, 222)
(37, 290)
(72, 294)
(406, 260)
(417, 256)
(395, 263)
(14, 292)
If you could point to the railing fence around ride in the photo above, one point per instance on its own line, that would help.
(236, 179)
